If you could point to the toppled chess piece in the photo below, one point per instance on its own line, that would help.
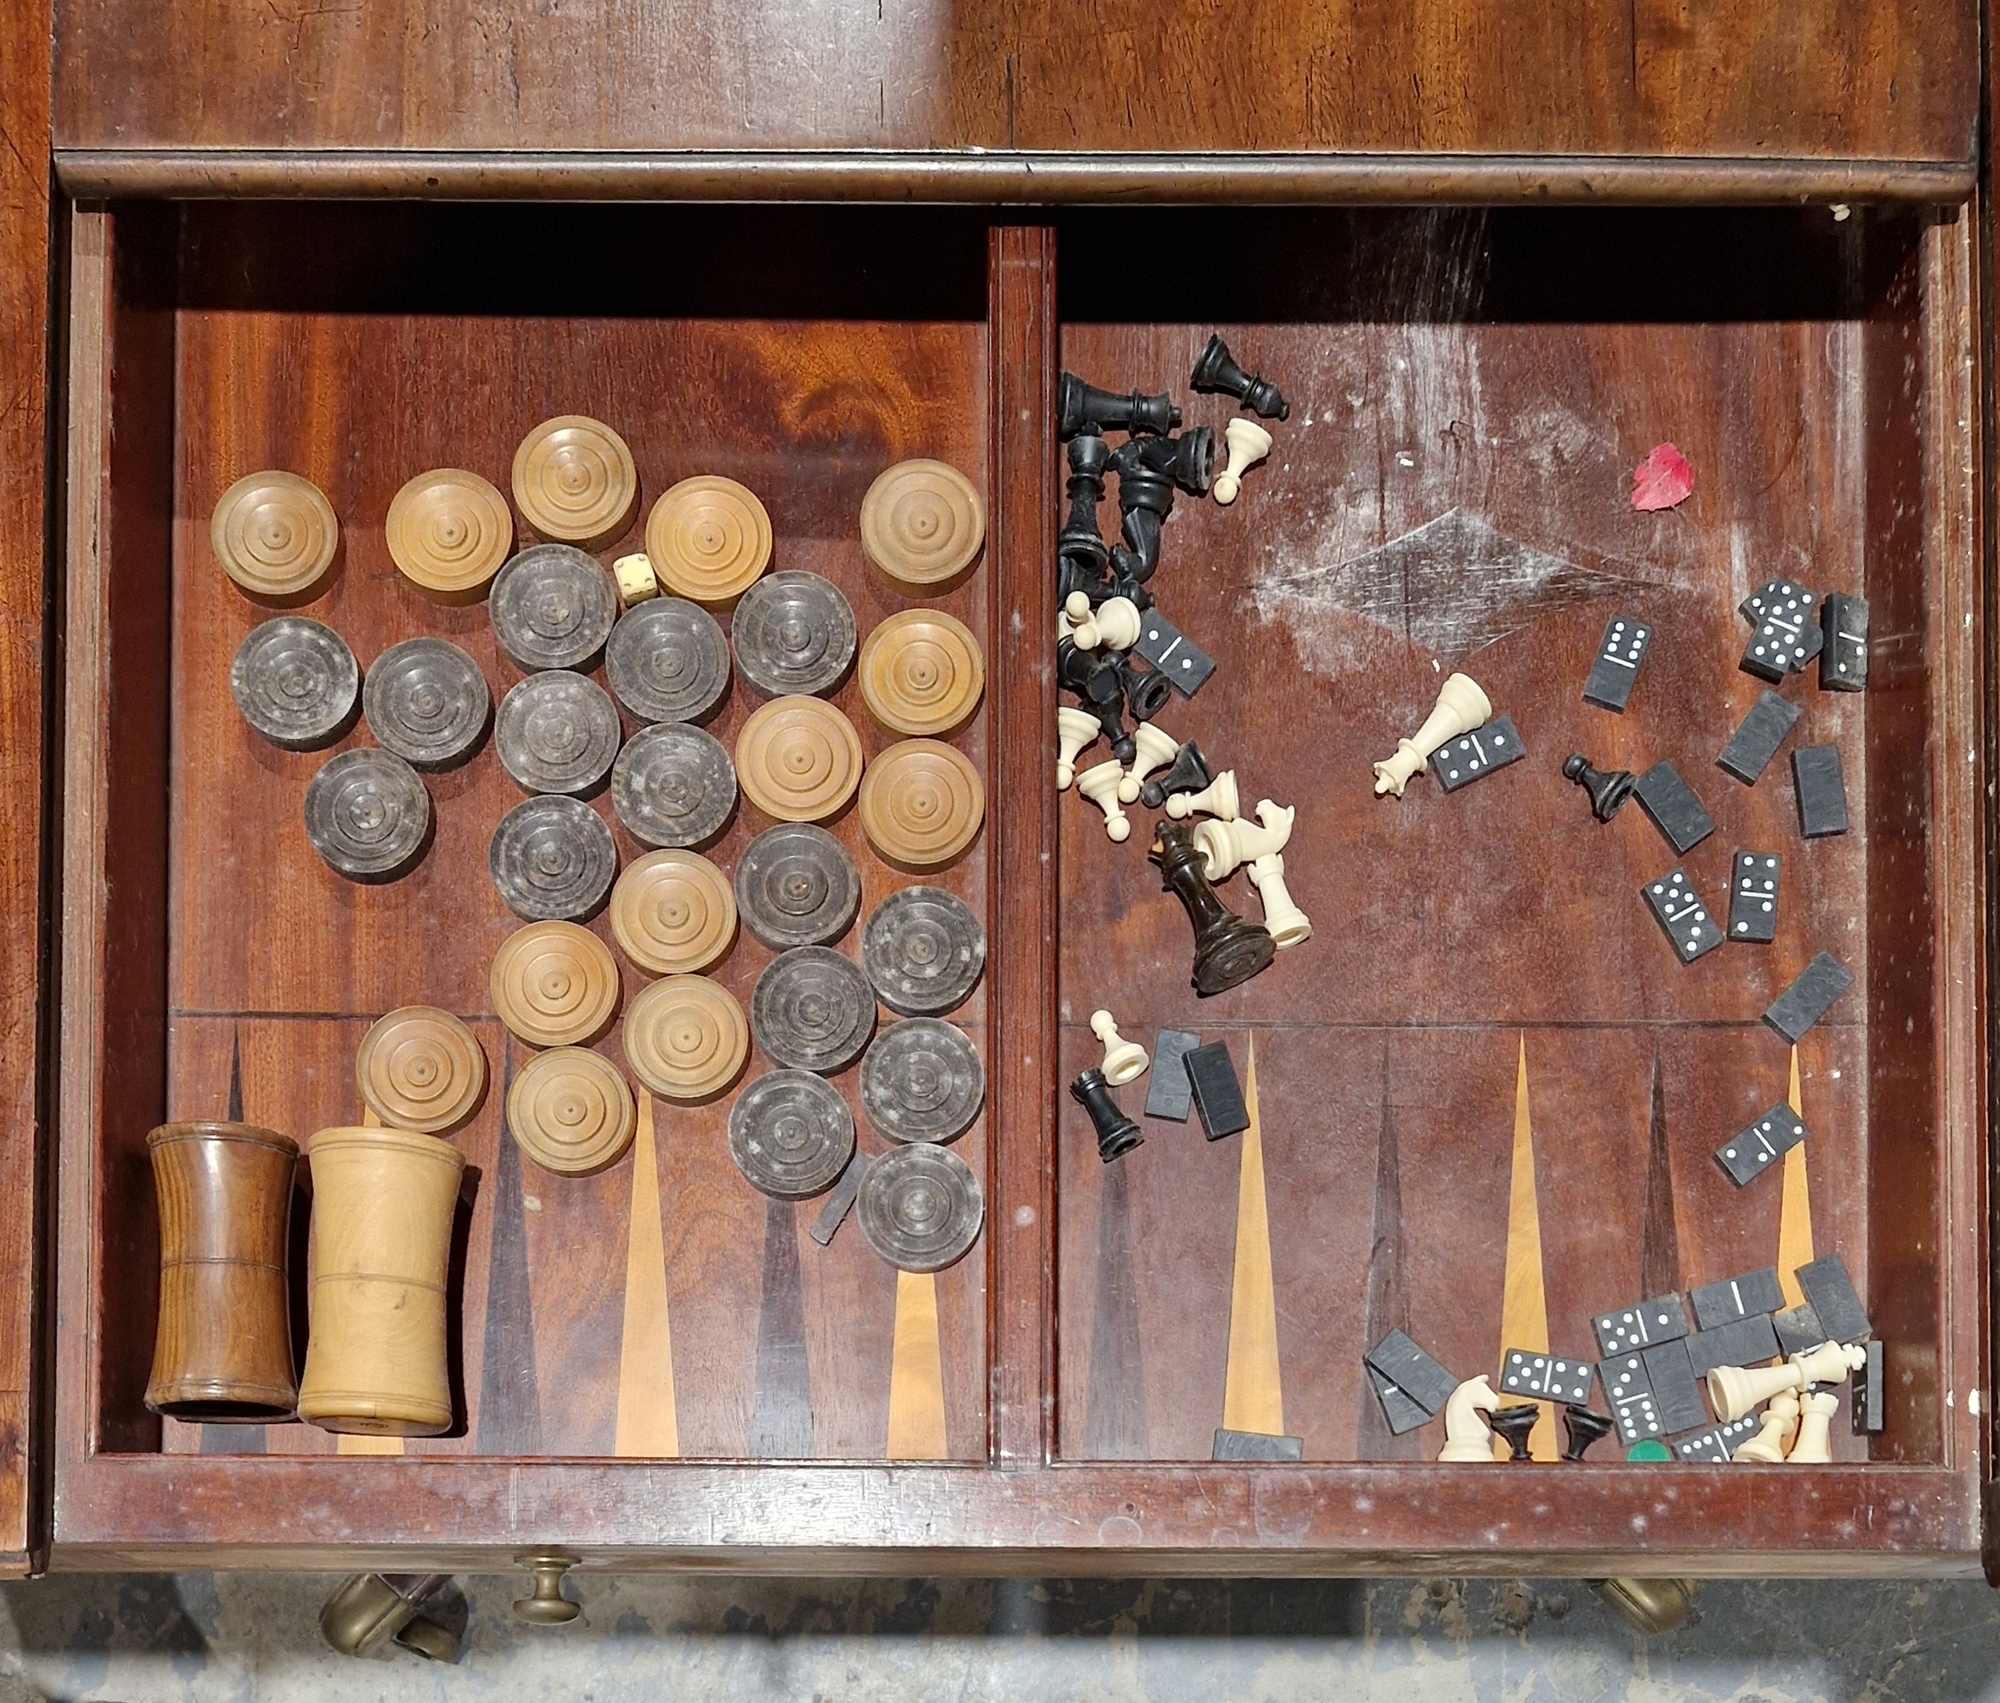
(1145, 500)
(1079, 542)
(1515, 1424)
(1075, 729)
(1228, 949)
(1123, 746)
(1215, 369)
(1467, 1436)
(1189, 773)
(1155, 746)
(1288, 924)
(1248, 444)
(1146, 689)
(1188, 460)
(1225, 846)
(1781, 1419)
(1608, 788)
(1116, 1133)
(1814, 1445)
(1581, 1428)
(1461, 707)
(1123, 1059)
(1217, 799)
(1112, 625)
(1735, 1391)
(1080, 406)
(1100, 786)
(1091, 675)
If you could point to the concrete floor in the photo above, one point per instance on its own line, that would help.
(216, 1637)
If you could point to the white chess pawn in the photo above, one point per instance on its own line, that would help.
(1467, 1436)
(1100, 786)
(1461, 706)
(1114, 624)
(1123, 1059)
(1768, 1446)
(1248, 444)
(1074, 730)
(1815, 1443)
(1286, 924)
(1225, 846)
(1153, 750)
(1217, 799)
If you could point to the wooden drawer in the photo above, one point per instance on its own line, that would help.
(1483, 981)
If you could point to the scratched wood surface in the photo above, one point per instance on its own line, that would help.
(1884, 80)
(276, 965)
(1451, 491)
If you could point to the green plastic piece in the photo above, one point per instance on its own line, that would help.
(1649, 1450)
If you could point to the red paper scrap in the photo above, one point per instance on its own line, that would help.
(1663, 479)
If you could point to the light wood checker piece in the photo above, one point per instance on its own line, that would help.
(574, 481)
(673, 912)
(448, 532)
(708, 539)
(922, 673)
(420, 1069)
(922, 523)
(798, 759)
(571, 1112)
(275, 535)
(555, 984)
(686, 1038)
(921, 804)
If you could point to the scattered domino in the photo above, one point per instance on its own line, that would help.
(1843, 660)
(1798, 1329)
(1753, 897)
(1402, 1413)
(1831, 1292)
(1787, 636)
(1546, 1377)
(1617, 666)
(1747, 1342)
(1630, 1394)
(1865, 1394)
(1398, 1358)
(1640, 1326)
(1170, 1094)
(1822, 794)
(1679, 911)
(1461, 761)
(1218, 1096)
(1255, 1446)
(1749, 1152)
(1185, 664)
(1717, 1444)
(1734, 1298)
(1673, 808)
(1757, 737)
(1676, 1394)
(1810, 997)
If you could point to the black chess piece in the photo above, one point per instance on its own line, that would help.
(1116, 1133)
(1581, 1428)
(1091, 674)
(1097, 591)
(1146, 689)
(1514, 1423)
(1123, 746)
(1079, 540)
(1079, 405)
(1608, 788)
(1228, 949)
(1188, 460)
(1216, 369)
(1187, 773)
(1145, 499)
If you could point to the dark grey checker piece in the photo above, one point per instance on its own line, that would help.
(1810, 997)
(1757, 737)
(1673, 807)
(1398, 1358)
(1461, 761)
(1402, 1413)
(1715, 1445)
(1676, 1394)
(1747, 1342)
(1831, 1292)
(1736, 1298)
(1640, 1325)
(1749, 1152)
(1822, 794)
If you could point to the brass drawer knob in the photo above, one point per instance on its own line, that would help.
(547, 1606)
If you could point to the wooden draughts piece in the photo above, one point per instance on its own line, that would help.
(798, 759)
(574, 481)
(922, 673)
(554, 984)
(275, 535)
(921, 804)
(708, 538)
(420, 1068)
(673, 912)
(570, 1111)
(686, 1038)
(922, 523)
(448, 532)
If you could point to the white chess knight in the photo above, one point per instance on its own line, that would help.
(1814, 1446)
(1736, 1390)
(1283, 920)
(1226, 846)
(1153, 749)
(1074, 730)
(1217, 799)
(1114, 624)
(1123, 1059)
(1248, 444)
(1100, 786)
(1467, 1436)
(1461, 707)
(1768, 1446)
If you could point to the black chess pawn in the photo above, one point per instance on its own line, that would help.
(1216, 369)
(1080, 539)
(1514, 1423)
(1146, 689)
(1608, 788)
(1228, 949)
(1188, 460)
(1116, 1133)
(1079, 405)
(1187, 773)
(1091, 674)
(1581, 1428)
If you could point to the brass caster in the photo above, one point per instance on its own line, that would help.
(1649, 1606)
(548, 1606)
(371, 1609)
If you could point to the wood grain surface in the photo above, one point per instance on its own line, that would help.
(1884, 80)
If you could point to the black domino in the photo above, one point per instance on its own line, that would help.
(1864, 1395)
(1676, 1394)
(1398, 1409)
(1843, 658)
(1185, 664)
(1630, 1394)
(1544, 1376)
(1682, 915)
(1673, 807)
(1716, 1445)
(1798, 1329)
(1831, 1292)
(1640, 1325)
(1619, 654)
(1753, 897)
(1398, 1358)
(1822, 794)
(1740, 1297)
(1170, 1094)
(1810, 997)
(1788, 634)
(1757, 737)
(1472, 756)
(1748, 1153)
(1218, 1096)
(1255, 1446)
(1747, 1342)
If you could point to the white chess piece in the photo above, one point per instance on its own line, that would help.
(1248, 444)
(1226, 846)
(1100, 786)
(1074, 730)
(1153, 749)
(1768, 1446)
(1217, 799)
(1736, 1390)
(1123, 1059)
(1815, 1444)
(1467, 1436)
(1283, 920)
(1461, 706)
(1114, 624)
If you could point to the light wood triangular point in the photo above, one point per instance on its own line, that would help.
(1795, 1233)
(1252, 1397)
(916, 1373)
(648, 1425)
(1524, 1306)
